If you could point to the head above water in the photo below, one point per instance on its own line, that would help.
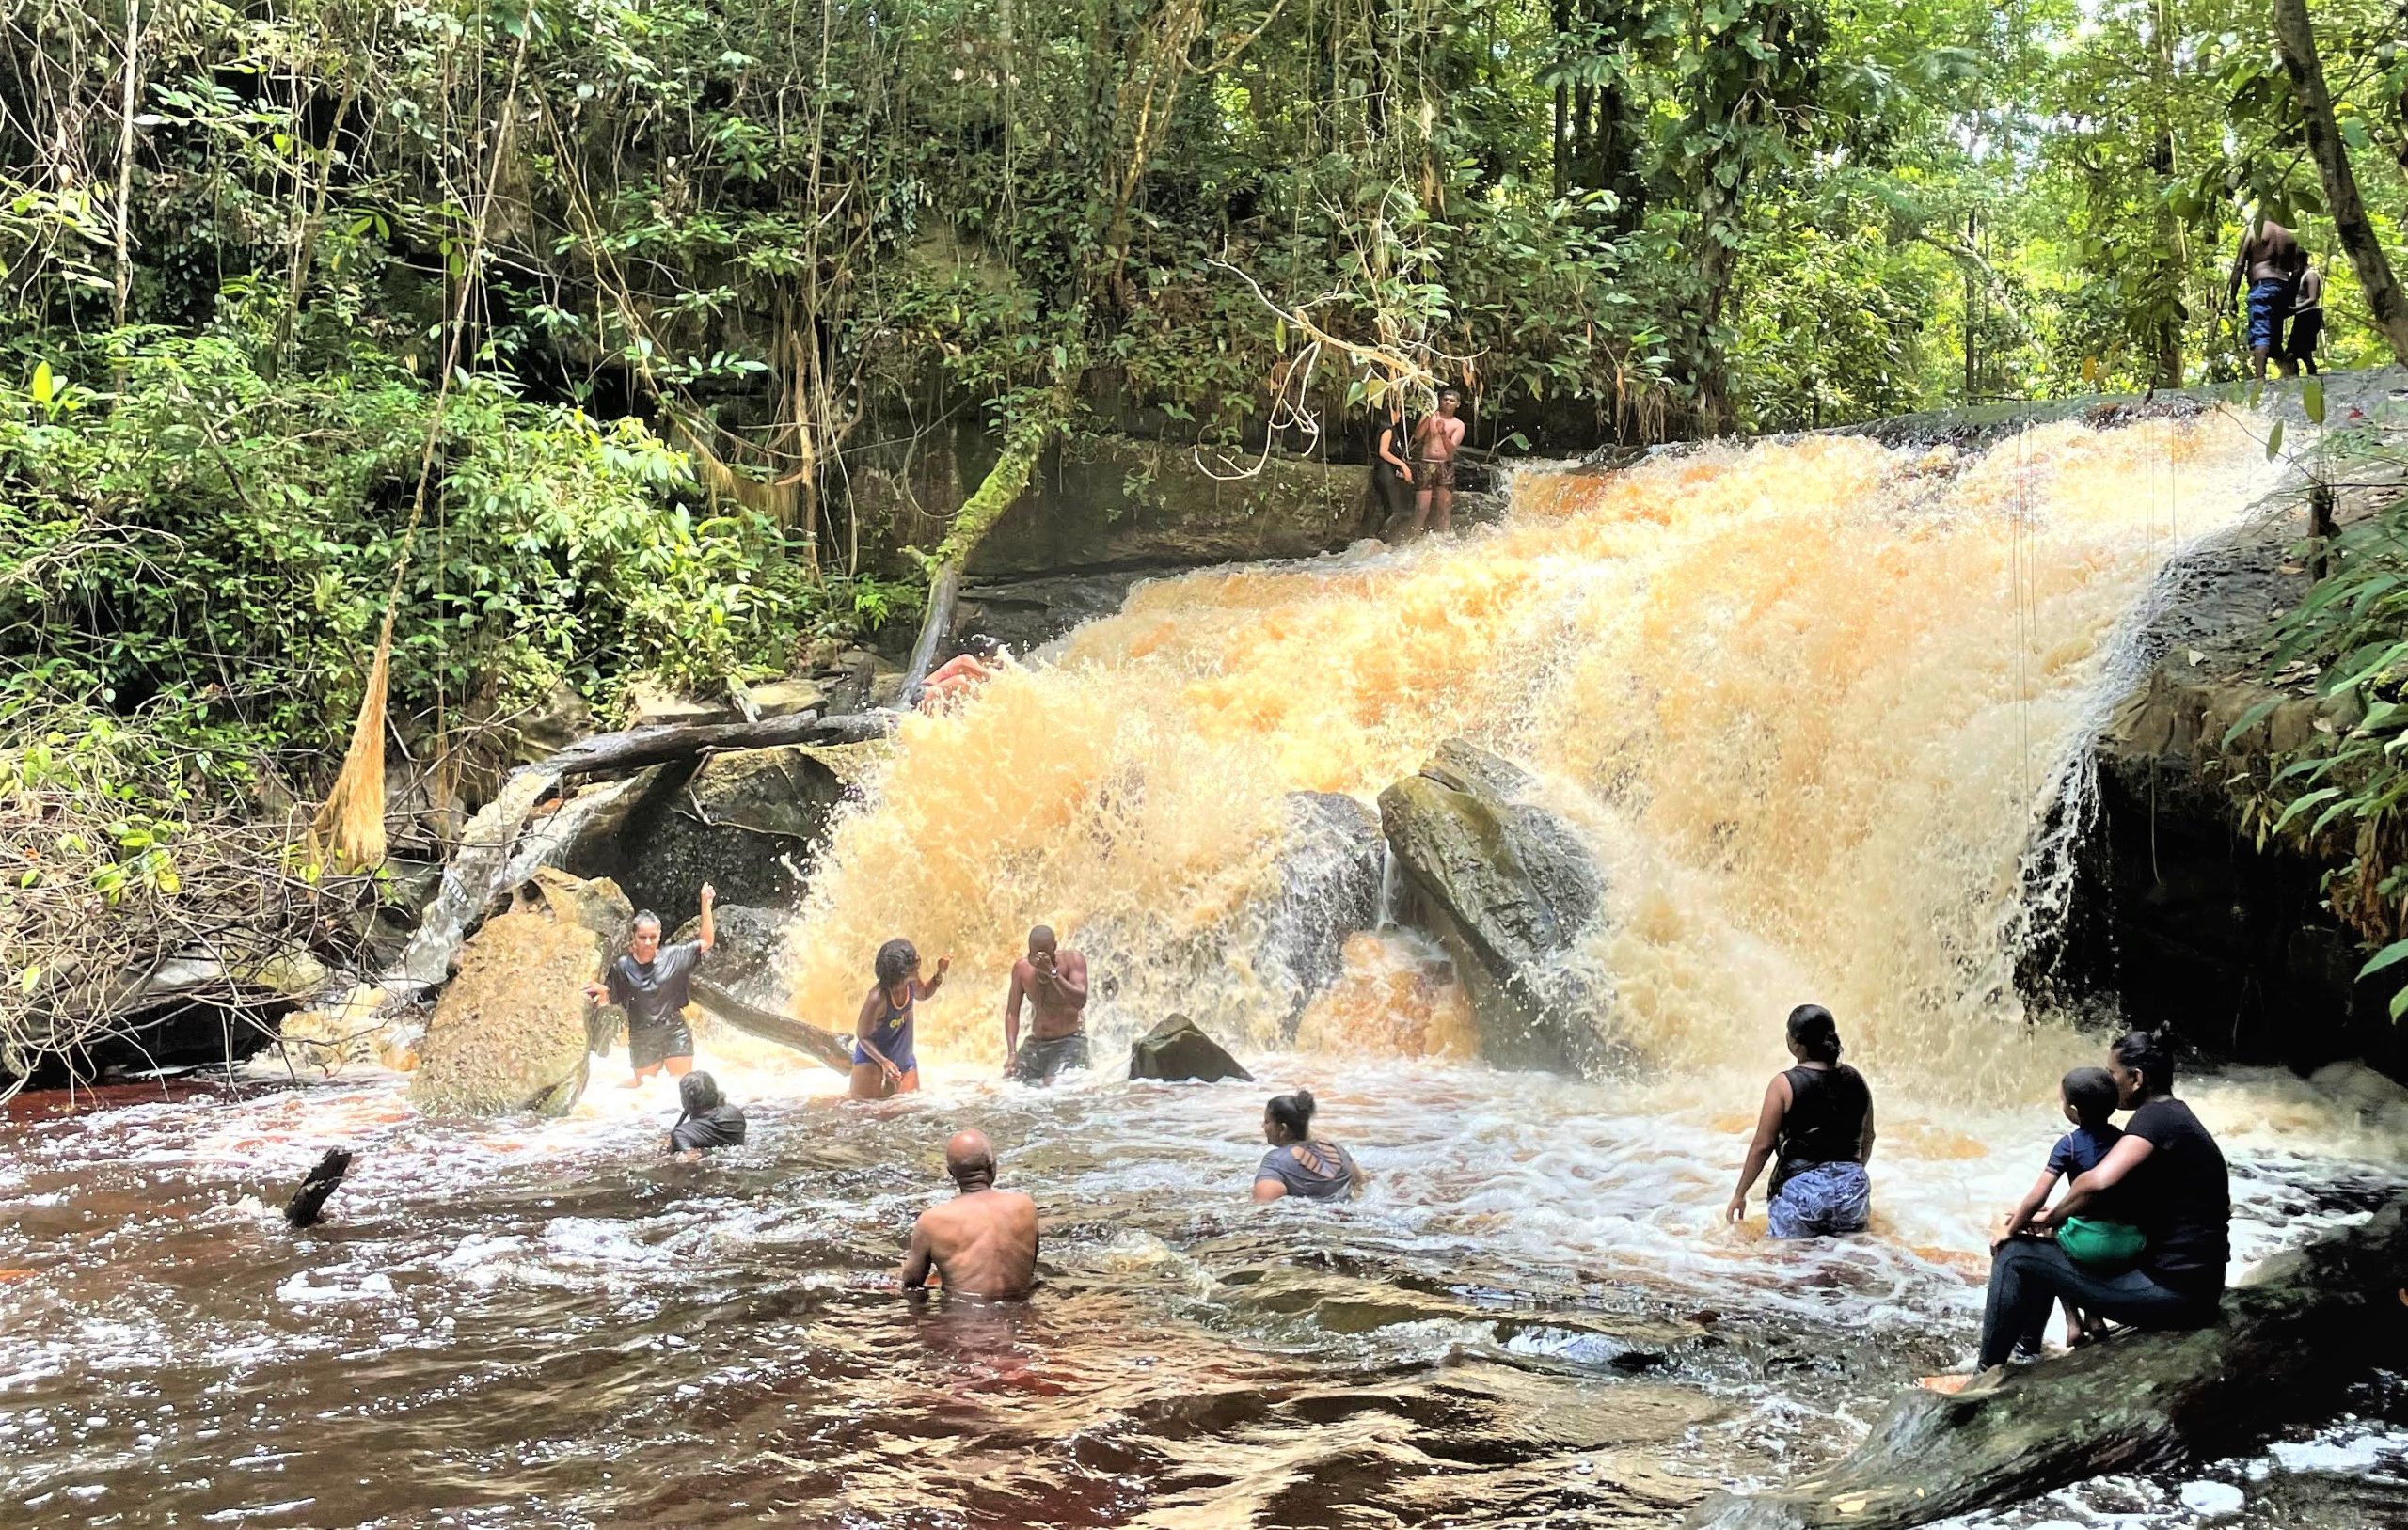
(698, 1093)
(1813, 1036)
(2142, 1065)
(643, 942)
(970, 1160)
(896, 961)
(979, 646)
(2089, 1095)
(1287, 1118)
(1041, 941)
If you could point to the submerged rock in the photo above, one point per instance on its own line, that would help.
(1507, 888)
(512, 1029)
(1178, 1050)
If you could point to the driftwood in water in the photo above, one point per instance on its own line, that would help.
(2307, 1323)
(935, 626)
(310, 1199)
(808, 1039)
(636, 748)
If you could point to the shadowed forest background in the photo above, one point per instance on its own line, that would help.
(747, 302)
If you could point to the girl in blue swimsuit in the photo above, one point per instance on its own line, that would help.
(883, 1061)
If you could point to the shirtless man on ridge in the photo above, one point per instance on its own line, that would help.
(1435, 445)
(1053, 983)
(982, 1242)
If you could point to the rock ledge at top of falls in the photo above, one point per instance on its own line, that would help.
(511, 1031)
(1508, 889)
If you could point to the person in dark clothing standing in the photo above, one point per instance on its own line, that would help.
(1392, 468)
(707, 1121)
(1818, 1124)
(2167, 1176)
(652, 983)
(2307, 321)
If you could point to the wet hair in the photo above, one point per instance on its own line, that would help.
(1450, 391)
(2091, 1093)
(1293, 1113)
(978, 645)
(699, 1093)
(1813, 1032)
(2146, 1053)
(644, 917)
(896, 960)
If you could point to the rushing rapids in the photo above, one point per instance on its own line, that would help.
(1808, 703)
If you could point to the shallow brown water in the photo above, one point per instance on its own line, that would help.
(1531, 1320)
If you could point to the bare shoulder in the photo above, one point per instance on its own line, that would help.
(1074, 961)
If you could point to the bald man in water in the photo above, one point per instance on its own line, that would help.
(982, 1242)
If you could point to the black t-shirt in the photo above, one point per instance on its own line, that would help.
(722, 1126)
(2181, 1196)
(1399, 441)
(653, 993)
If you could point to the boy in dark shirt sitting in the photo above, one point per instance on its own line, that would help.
(2087, 1096)
(709, 1120)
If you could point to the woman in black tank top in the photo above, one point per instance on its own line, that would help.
(1816, 1126)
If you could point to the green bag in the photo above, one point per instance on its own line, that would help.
(2101, 1245)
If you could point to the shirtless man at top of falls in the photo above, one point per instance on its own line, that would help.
(1435, 445)
(2269, 256)
(982, 1242)
(1054, 983)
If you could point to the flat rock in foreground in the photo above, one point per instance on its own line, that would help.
(2307, 1323)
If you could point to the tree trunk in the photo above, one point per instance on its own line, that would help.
(2296, 39)
(636, 748)
(2308, 1323)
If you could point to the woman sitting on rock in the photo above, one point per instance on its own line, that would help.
(2169, 1178)
(1818, 1124)
(1299, 1164)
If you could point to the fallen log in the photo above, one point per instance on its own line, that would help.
(635, 748)
(310, 1199)
(808, 1039)
(2306, 1323)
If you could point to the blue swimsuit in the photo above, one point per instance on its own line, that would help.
(892, 1035)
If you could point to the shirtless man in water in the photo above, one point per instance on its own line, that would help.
(1435, 448)
(982, 1242)
(1053, 983)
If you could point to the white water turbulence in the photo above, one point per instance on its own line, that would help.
(1806, 702)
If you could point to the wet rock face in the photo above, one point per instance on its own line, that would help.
(748, 821)
(2179, 918)
(1508, 889)
(511, 1032)
(1329, 888)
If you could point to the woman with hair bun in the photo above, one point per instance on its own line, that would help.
(1298, 1162)
(2169, 1177)
(1818, 1124)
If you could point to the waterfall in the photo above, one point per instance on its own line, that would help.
(1805, 700)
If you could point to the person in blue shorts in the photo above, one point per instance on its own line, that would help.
(2271, 257)
(884, 1063)
(1818, 1124)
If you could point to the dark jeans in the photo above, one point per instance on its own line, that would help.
(1394, 497)
(2029, 1275)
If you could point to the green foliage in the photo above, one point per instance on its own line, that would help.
(213, 550)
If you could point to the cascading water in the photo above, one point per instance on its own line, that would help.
(1805, 700)
(1811, 706)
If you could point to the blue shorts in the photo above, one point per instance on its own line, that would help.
(862, 1058)
(1823, 1199)
(2269, 300)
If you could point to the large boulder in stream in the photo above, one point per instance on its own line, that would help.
(512, 1030)
(1507, 888)
(2302, 1327)
(1179, 1051)
(1329, 888)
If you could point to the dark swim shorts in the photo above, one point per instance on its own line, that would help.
(1040, 1060)
(649, 1045)
(1433, 472)
(2269, 300)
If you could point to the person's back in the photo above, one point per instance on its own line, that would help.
(706, 1122)
(1316, 1170)
(982, 1242)
(1826, 1120)
(2181, 1195)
